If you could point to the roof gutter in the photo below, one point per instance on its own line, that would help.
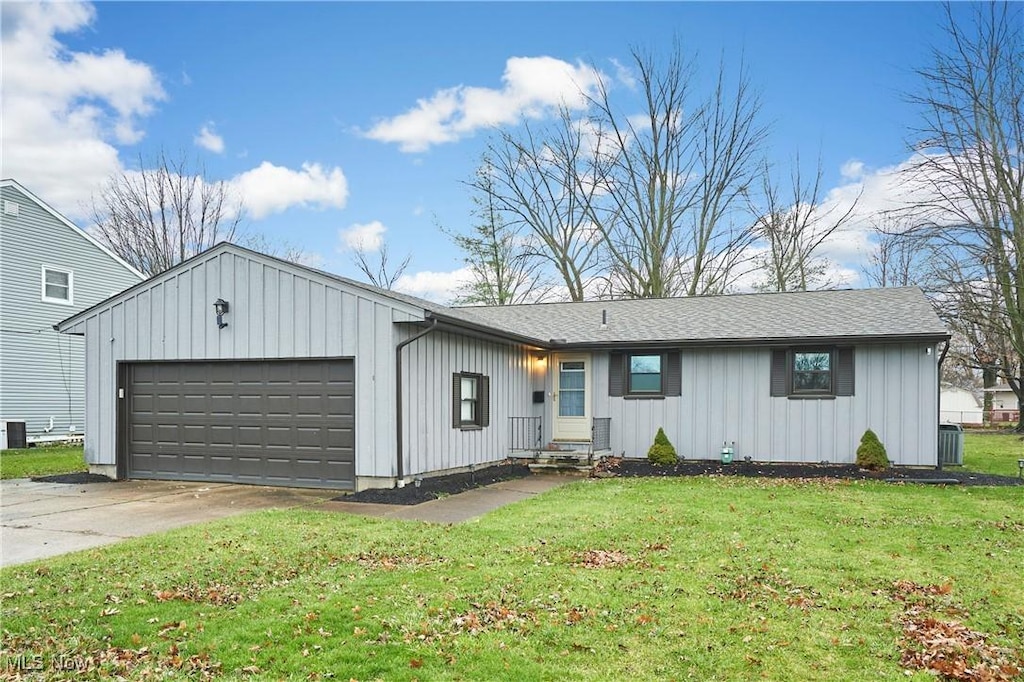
(399, 450)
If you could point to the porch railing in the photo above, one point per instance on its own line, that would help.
(526, 433)
(601, 433)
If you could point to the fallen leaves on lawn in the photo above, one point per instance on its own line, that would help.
(762, 584)
(393, 561)
(215, 593)
(948, 648)
(600, 558)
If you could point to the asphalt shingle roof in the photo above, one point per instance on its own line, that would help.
(864, 313)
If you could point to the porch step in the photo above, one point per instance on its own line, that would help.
(560, 467)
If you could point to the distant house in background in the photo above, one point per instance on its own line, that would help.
(959, 406)
(1005, 407)
(49, 269)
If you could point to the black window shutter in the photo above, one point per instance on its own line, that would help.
(778, 383)
(616, 374)
(485, 401)
(673, 374)
(844, 371)
(456, 400)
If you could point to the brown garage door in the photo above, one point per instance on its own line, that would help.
(279, 422)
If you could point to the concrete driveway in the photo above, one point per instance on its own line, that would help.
(41, 520)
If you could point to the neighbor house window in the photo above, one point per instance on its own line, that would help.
(470, 400)
(645, 374)
(811, 371)
(57, 285)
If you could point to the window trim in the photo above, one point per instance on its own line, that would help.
(481, 400)
(663, 364)
(70, 300)
(817, 392)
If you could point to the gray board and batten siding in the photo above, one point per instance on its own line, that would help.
(726, 398)
(277, 311)
(42, 372)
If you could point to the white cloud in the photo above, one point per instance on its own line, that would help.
(442, 287)
(208, 139)
(624, 74)
(64, 111)
(367, 237)
(270, 189)
(531, 87)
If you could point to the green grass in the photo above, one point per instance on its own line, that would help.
(692, 578)
(993, 453)
(42, 461)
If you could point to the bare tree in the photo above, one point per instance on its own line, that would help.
(536, 181)
(970, 145)
(501, 260)
(670, 179)
(638, 205)
(377, 267)
(160, 215)
(793, 227)
(899, 259)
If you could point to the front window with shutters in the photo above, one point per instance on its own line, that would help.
(812, 372)
(470, 401)
(645, 374)
(57, 286)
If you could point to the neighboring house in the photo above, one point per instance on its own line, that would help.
(309, 379)
(959, 406)
(49, 269)
(1005, 406)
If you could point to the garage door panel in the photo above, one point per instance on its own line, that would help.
(288, 422)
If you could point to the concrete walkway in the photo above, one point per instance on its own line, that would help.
(42, 520)
(461, 507)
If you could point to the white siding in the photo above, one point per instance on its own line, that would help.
(431, 443)
(726, 398)
(274, 313)
(42, 373)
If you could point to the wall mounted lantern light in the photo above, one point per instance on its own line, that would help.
(221, 307)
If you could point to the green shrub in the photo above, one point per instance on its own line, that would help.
(871, 453)
(662, 453)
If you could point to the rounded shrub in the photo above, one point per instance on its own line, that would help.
(662, 453)
(871, 453)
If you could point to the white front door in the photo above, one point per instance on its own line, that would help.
(571, 397)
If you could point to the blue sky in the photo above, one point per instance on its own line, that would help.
(293, 99)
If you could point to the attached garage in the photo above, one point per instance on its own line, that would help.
(238, 367)
(268, 422)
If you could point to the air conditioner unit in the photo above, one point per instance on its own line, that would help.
(12, 434)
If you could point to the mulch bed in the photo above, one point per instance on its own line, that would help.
(75, 478)
(953, 475)
(440, 486)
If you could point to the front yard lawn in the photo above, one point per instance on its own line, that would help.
(993, 453)
(41, 461)
(711, 578)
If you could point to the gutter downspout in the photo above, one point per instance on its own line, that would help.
(938, 403)
(400, 458)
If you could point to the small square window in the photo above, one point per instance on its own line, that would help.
(645, 374)
(57, 286)
(812, 371)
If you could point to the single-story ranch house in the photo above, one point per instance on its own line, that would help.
(236, 366)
